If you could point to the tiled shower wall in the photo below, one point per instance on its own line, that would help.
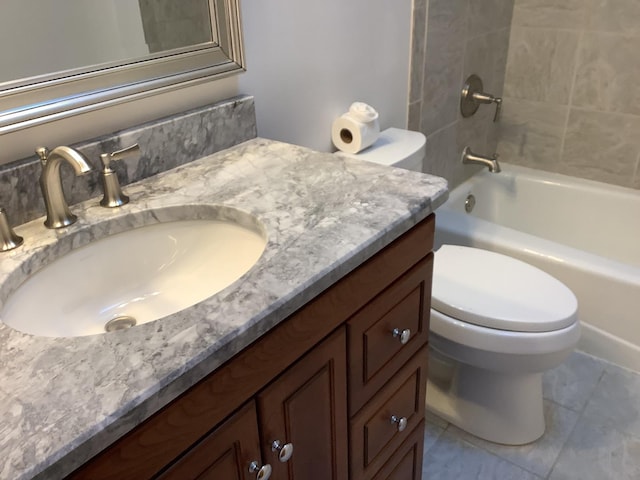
(451, 40)
(572, 89)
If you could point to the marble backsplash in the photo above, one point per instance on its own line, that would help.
(164, 144)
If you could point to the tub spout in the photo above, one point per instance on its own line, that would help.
(468, 157)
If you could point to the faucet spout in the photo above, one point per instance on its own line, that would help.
(58, 213)
(468, 157)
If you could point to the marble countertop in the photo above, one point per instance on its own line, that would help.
(62, 400)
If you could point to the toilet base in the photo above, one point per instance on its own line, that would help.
(500, 407)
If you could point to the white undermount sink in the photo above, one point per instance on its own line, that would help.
(133, 277)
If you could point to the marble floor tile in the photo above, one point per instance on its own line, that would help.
(572, 383)
(434, 419)
(615, 402)
(537, 457)
(453, 458)
(431, 435)
(597, 452)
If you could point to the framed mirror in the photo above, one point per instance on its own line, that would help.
(59, 59)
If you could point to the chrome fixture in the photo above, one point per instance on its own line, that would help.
(402, 335)
(8, 238)
(262, 472)
(473, 96)
(468, 157)
(400, 422)
(284, 451)
(113, 196)
(58, 213)
(122, 322)
(470, 203)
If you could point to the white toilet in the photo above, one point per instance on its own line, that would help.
(497, 324)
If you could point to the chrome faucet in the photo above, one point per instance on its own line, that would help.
(58, 213)
(468, 157)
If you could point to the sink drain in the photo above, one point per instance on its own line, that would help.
(119, 323)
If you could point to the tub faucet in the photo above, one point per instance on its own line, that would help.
(58, 213)
(490, 162)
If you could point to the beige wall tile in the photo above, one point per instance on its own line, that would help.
(486, 16)
(617, 16)
(608, 73)
(418, 44)
(531, 133)
(540, 64)
(486, 56)
(415, 111)
(602, 146)
(568, 14)
(443, 63)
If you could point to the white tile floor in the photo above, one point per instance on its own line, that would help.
(592, 411)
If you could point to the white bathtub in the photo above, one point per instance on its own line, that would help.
(586, 234)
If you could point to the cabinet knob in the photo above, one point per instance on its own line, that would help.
(284, 451)
(402, 335)
(401, 422)
(262, 472)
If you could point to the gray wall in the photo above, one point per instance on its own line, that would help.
(451, 40)
(572, 90)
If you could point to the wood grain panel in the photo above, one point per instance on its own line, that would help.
(147, 449)
(307, 406)
(223, 454)
(406, 462)
(373, 438)
(374, 354)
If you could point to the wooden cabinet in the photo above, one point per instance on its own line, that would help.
(328, 380)
(224, 453)
(307, 408)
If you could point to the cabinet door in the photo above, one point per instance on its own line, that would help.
(225, 453)
(307, 407)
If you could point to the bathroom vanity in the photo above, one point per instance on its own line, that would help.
(322, 344)
(324, 383)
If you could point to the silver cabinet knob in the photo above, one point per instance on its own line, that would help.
(402, 335)
(262, 472)
(284, 451)
(401, 422)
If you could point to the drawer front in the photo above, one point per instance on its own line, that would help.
(375, 353)
(406, 463)
(226, 452)
(374, 436)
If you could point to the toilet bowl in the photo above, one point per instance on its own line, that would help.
(496, 325)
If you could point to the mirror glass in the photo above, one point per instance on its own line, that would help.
(70, 56)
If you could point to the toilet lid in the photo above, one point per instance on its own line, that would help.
(492, 290)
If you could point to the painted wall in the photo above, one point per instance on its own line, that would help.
(453, 39)
(572, 91)
(307, 61)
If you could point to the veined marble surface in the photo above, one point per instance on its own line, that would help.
(62, 400)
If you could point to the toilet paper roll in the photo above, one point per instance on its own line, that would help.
(351, 134)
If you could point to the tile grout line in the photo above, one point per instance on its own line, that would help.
(574, 76)
(580, 417)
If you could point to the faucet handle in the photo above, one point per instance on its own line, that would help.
(473, 96)
(43, 154)
(8, 238)
(107, 158)
(113, 196)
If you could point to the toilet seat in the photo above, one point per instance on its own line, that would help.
(492, 290)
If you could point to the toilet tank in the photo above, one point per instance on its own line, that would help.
(395, 147)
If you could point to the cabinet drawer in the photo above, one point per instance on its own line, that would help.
(224, 453)
(374, 437)
(406, 463)
(375, 354)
